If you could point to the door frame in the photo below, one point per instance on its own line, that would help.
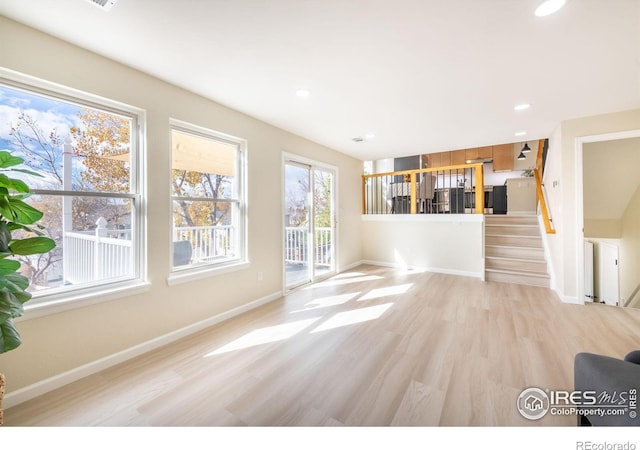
(579, 197)
(313, 164)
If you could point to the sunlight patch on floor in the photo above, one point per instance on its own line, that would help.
(352, 317)
(265, 336)
(334, 282)
(385, 291)
(325, 302)
(347, 275)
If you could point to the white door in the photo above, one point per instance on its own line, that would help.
(309, 223)
(609, 281)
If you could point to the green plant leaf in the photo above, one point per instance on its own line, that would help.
(29, 172)
(32, 246)
(9, 337)
(10, 305)
(20, 212)
(8, 266)
(8, 160)
(12, 183)
(20, 283)
(5, 237)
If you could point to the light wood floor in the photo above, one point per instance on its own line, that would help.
(373, 346)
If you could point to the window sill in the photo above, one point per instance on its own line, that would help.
(66, 301)
(199, 273)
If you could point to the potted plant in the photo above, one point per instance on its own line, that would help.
(20, 235)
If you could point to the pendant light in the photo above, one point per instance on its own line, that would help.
(522, 155)
(526, 148)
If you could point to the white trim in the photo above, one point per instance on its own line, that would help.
(42, 387)
(570, 300)
(547, 253)
(350, 266)
(395, 265)
(206, 271)
(455, 218)
(65, 301)
(312, 164)
(196, 271)
(61, 299)
(579, 199)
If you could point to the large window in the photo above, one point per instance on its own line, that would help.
(86, 153)
(207, 196)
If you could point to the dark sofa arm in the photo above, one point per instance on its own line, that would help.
(611, 375)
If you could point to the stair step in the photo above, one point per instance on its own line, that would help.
(510, 251)
(516, 241)
(511, 220)
(511, 229)
(516, 265)
(517, 277)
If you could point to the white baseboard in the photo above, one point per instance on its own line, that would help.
(461, 273)
(57, 381)
(350, 266)
(572, 300)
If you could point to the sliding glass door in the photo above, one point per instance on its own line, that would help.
(309, 225)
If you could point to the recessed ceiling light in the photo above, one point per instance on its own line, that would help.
(302, 93)
(521, 133)
(549, 7)
(522, 106)
(370, 136)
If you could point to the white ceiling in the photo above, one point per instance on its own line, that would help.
(423, 75)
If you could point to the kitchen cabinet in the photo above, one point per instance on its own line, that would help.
(479, 153)
(503, 158)
(436, 159)
(458, 157)
(445, 159)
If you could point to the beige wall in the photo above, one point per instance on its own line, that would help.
(561, 167)
(57, 343)
(441, 243)
(602, 228)
(630, 248)
(521, 195)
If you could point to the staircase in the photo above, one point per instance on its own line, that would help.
(513, 250)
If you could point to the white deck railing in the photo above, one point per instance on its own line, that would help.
(296, 245)
(208, 243)
(99, 255)
(102, 254)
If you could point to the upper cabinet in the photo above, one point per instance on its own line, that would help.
(458, 157)
(502, 155)
(479, 153)
(503, 158)
(435, 160)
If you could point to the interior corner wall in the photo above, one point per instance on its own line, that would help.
(566, 214)
(67, 340)
(630, 248)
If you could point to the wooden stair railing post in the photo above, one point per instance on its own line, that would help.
(414, 196)
(479, 189)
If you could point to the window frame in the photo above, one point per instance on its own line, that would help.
(65, 298)
(191, 272)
